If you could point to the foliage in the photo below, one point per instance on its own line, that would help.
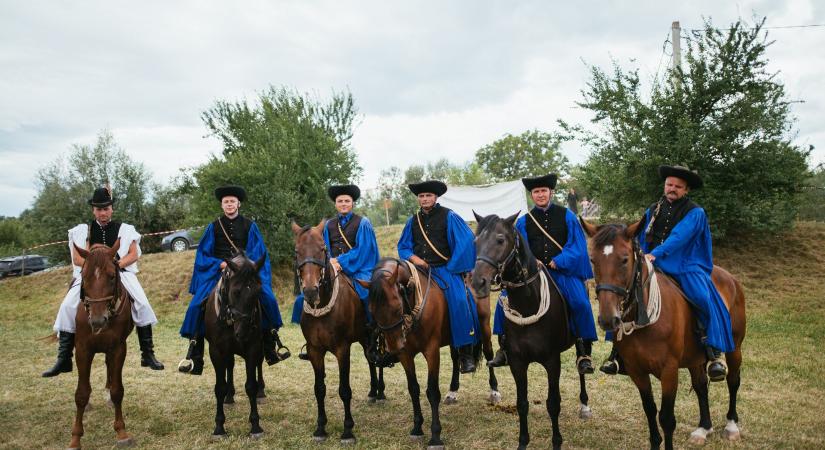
(285, 149)
(724, 114)
(812, 204)
(532, 153)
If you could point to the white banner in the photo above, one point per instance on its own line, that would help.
(503, 199)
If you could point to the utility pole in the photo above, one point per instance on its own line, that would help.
(676, 40)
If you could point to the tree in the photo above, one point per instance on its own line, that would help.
(813, 196)
(285, 149)
(531, 153)
(724, 114)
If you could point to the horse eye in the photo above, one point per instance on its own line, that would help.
(624, 260)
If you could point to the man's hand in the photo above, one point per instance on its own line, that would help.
(552, 265)
(419, 262)
(336, 264)
(223, 265)
(650, 257)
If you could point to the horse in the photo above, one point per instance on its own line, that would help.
(333, 319)
(233, 327)
(666, 344)
(537, 323)
(103, 325)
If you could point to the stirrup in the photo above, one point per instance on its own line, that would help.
(610, 367)
(588, 370)
(186, 365)
(724, 365)
(302, 354)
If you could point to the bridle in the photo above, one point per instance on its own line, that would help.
(498, 282)
(407, 306)
(626, 293)
(228, 313)
(112, 307)
(322, 263)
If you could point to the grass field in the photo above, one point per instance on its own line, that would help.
(780, 401)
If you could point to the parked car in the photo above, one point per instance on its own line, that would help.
(180, 241)
(14, 265)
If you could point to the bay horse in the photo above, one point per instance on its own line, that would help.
(333, 319)
(537, 327)
(233, 327)
(670, 342)
(103, 324)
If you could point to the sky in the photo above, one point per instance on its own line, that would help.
(431, 79)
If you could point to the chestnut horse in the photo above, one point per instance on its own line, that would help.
(333, 319)
(233, 327)
(670, 343)
(539, 331)
(103, 324)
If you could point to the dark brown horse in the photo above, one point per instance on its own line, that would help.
(667, 344)
(333, 319)
(541, 333)
(413, 320)
(233, 327)
(103, 324)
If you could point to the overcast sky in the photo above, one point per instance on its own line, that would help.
(430, 79)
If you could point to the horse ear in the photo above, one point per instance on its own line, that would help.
(394, 275)
(260, 262)
(364, 284)
(512, 219)
(296, 229)
(589, 228)
(478, 218)
(115, 248)
(321, 224)
(81, 251)
(633, 229)
(232, 266)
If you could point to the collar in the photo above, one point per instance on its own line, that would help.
(544, 210)
(103, 226)
(232, 220)
(677, 203)
(433, 210)
(343, 219)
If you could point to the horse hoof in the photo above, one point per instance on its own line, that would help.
(435, 447)
(256, 436)
(219, 437)
(585, 412)
(451, 398)
(128, 442)
(416, 437)
(348, 441)
(731, 432)
(319, 438)
(699, 436)
(261, 400)
(494, 398)
(88, 407)
(229, 401)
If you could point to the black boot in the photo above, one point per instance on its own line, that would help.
(274, 350)
(584, 363)
(717, 369)
(466, 362)
(65, 344)
(147, 353)
(193, 363)
(613, 364)
(500, 358)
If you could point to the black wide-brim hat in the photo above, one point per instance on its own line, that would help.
(344, 189)
(548, 181)
(101, 198)
(691, 177)
(430, 186)
(235, 191)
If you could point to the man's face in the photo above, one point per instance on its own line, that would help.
(541, 196)
(426, 200)
(103, 215)
(343, 204)
(675, 188)
(230, 205)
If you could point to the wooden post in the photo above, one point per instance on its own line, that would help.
(387, 204)
(676, 40)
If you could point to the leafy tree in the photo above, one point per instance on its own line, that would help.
(285, 149)
(725, 114)
(813, 196)
(531, 153)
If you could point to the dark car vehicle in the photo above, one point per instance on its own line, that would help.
(14, 265)
(180, 241)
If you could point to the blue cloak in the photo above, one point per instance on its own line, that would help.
(207, 272)
(460, 302)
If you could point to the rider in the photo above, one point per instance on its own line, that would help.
(555, 237)
(675, 237)
(224, 239)
(103, 230)
(350, 245)
(438, 239)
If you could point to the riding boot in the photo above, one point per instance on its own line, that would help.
(193, 363)
(500, 358)
(466, 361)
(613, 364)
(272, 348)
(63, 364)
(584, 363)
(147, 353)
(717, 369)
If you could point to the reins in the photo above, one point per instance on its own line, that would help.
(113, 308)
(410, 320)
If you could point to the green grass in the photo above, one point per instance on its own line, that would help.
(779, 402)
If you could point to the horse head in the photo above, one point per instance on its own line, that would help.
(613, 253)
(243, 290)
(495, 248)
(387, 292)
(311, 259)
(100, 283)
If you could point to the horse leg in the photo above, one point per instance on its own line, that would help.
(734, 360)
(345, 392)
(251, 388)
(667, 419)
(452, 395)
(699, 382)
(381, 397)
(519, 371)
(261, 385)
(649, 404)
(116, 393)
(81, 395)
(487, 347)
(229, 399)
(220, 365)
(316, 357)
(553, 369)
(415, 394)
(109, 376)
(584, 410)
(433, 357)
(372, 395)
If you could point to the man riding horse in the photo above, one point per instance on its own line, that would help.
(675, 237)
(103, 230)
(556, 239)
(350, 244)
(229, 235)
(438, 239)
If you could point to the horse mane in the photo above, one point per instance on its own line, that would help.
(245, 265)
(486, 221)
(376, 292)
(608, 233)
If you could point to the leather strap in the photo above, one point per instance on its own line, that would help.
(421, 227)
(543, 231)
(341, 231)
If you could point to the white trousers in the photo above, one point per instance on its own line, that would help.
(142, 313)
